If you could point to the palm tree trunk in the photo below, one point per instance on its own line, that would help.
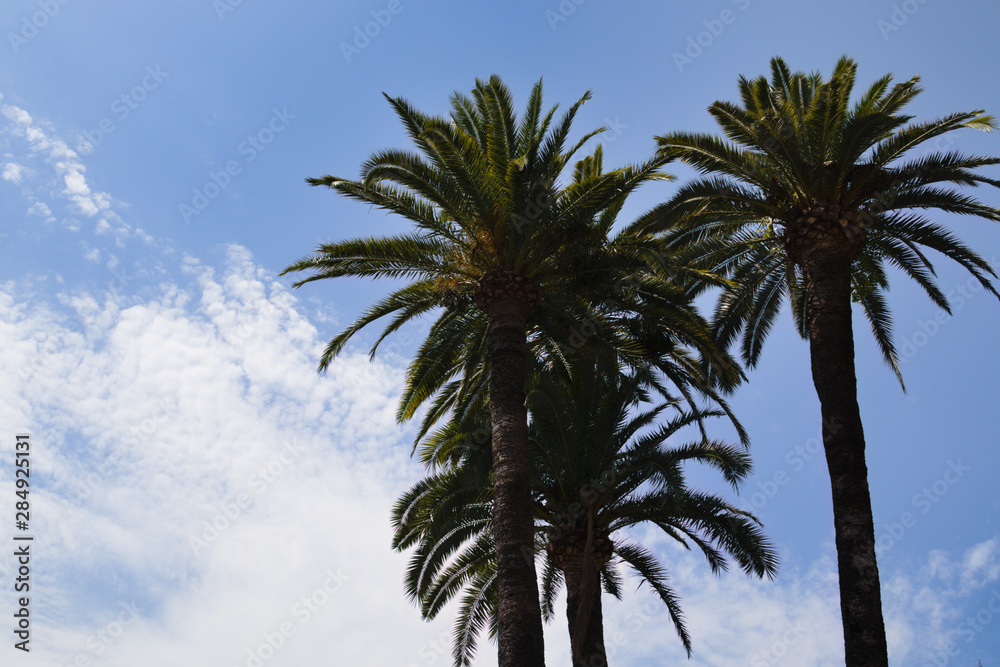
(827, 269)
(519, 614)
(588, 650)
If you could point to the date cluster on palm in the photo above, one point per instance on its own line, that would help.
(505, 284)
(830, 224)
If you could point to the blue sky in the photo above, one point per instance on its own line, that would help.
(152, 166)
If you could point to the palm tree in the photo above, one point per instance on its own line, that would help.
(810, 198)
(597, 471)
(514, 265)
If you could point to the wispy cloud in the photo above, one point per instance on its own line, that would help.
(150, 421)
(12, 172)
(44, 152)
(192, 465)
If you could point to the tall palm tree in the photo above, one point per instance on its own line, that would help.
(601, 465)
(514, 265)
(811, 198)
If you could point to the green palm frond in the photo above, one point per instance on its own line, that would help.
(652, 573)
(794, 142)
(597, 436)
(482, 189)
(490, 199)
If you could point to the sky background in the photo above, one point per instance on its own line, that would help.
(152, 166)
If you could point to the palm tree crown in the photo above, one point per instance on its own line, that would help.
(812, 198)
(515, 265)
(492, 220)
(802, 167)
(601, 465)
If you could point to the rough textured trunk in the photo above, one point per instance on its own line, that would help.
(580, 552)
(519, 614)
(588, 650)
(827, 268)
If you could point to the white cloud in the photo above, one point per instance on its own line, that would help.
(980, 566)
(66, 164)
(190, 461)
(732, 619)
(91, 254)
(39, 208)
(795, 620)
(151, 420)
(12, 172)
(16, 114)
(925, 610)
